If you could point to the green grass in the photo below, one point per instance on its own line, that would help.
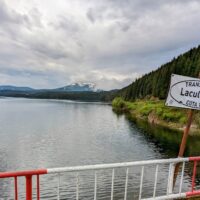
(157, 108)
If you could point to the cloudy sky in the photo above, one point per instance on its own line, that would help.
(47, 44)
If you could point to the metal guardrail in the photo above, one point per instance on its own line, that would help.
(78, 169)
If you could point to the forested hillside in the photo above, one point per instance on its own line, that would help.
(156, 83)
(106, 96)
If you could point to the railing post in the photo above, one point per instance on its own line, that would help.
(38, 187)
(29, 187)
(171, 178)
(194, 175)
(16, 188)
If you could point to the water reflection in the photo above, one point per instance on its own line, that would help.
(166, 140)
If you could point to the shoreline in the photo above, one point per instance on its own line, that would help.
(155, 112)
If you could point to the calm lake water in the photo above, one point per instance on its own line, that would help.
(58, 133)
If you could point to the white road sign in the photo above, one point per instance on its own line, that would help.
(184, 92)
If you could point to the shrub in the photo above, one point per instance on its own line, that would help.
(118, 103)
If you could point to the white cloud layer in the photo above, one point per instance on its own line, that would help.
(47, 44)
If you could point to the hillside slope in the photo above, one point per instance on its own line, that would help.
(156, 83)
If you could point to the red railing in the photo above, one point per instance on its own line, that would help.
(193, 192)
(28, 176)
(170, 195)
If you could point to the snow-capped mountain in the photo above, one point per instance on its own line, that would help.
(78, 87)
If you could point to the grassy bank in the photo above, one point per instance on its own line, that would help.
(155, 112)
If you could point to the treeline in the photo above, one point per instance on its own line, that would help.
(47, 94)
(156, 83)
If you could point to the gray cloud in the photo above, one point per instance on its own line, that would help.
(108, 42)
(7, 16)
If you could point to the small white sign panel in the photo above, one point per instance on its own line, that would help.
(184, 92)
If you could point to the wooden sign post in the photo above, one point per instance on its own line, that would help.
(184, 93)
(185, 134)
(183, 144)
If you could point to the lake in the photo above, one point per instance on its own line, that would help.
(57, 133)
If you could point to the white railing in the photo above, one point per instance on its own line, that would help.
(127, 165)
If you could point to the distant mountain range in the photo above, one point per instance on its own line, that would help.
(76, 91)
(76, 87)
(14, 88)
